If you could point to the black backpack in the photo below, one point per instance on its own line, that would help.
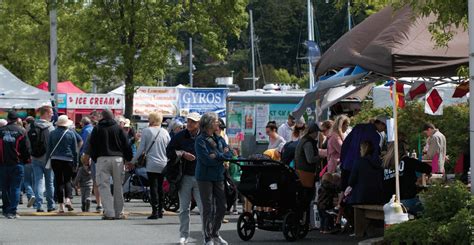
(37, 140)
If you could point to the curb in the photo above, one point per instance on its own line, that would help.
(85, 214)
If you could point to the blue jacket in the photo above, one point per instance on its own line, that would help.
(350, 150)
(207, 168)
(66, 149)
(85, 132)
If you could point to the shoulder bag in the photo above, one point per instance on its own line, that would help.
(48, 160)
(141, 162)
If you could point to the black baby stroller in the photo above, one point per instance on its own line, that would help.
(136, 185)
(271, 185)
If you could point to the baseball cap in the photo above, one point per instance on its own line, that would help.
(382, 118)
(194, 116)
(12, 115)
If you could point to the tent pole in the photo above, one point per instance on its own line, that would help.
(395, 139)
(471, 85)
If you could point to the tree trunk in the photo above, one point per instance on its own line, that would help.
(129, 91)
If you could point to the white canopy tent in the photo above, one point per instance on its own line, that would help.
(14, 93)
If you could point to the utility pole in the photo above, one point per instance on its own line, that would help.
(53, 50)
(310, 38)
(191, 62)
(471, 85)
(253, 49)
(349, 19)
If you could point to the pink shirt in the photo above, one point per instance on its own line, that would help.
(334, 152)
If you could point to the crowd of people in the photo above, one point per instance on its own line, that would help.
(337, 166)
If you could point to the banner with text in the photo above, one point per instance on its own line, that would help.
(155, 99)
(203, 100)
(90, 101)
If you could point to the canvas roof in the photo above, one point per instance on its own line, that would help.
(395, 44)
(66, 87)
(14, 93)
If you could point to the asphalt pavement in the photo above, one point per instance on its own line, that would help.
(80, 228)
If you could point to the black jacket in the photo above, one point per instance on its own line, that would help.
(108, 139)
(366, 181)
(183, 141)
(14, 145)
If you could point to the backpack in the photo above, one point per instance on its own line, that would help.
(37, 140)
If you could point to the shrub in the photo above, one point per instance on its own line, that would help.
(447, 218)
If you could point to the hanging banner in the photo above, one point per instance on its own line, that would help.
(90, 101)
(234, 119)
(249, 118)
(279, 112)
(203, 100)
(155, 99)
(261, 120)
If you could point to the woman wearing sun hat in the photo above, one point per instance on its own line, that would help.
(62, 152)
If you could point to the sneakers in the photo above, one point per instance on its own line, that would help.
(183, 240)
(210, 242)
(12, 216)
(99, 209)
(219, 241)
(39, 210)
(31, 201)
(51, 210)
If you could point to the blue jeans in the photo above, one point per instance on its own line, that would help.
(10, 183)
(188, 189)
(28, 181)
(413, 205)
(43, 183)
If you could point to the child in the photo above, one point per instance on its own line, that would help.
(84, 181)
(326, 195)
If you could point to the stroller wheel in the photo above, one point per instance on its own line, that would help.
(246, 226)
(171, 203)
(290, 227)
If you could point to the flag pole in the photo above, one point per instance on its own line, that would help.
(395, 139)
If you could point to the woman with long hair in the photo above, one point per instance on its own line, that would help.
(335, 140)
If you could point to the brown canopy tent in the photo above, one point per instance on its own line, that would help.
(395, 44)
(390, 43)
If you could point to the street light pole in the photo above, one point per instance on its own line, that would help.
(53, 50)
(253, 49)
(191, 62)
(471, 85)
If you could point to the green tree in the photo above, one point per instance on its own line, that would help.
(131, 40)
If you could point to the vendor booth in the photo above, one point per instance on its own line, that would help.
(63, 87)
(386, 47)
(15, 94)
(76, 106)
